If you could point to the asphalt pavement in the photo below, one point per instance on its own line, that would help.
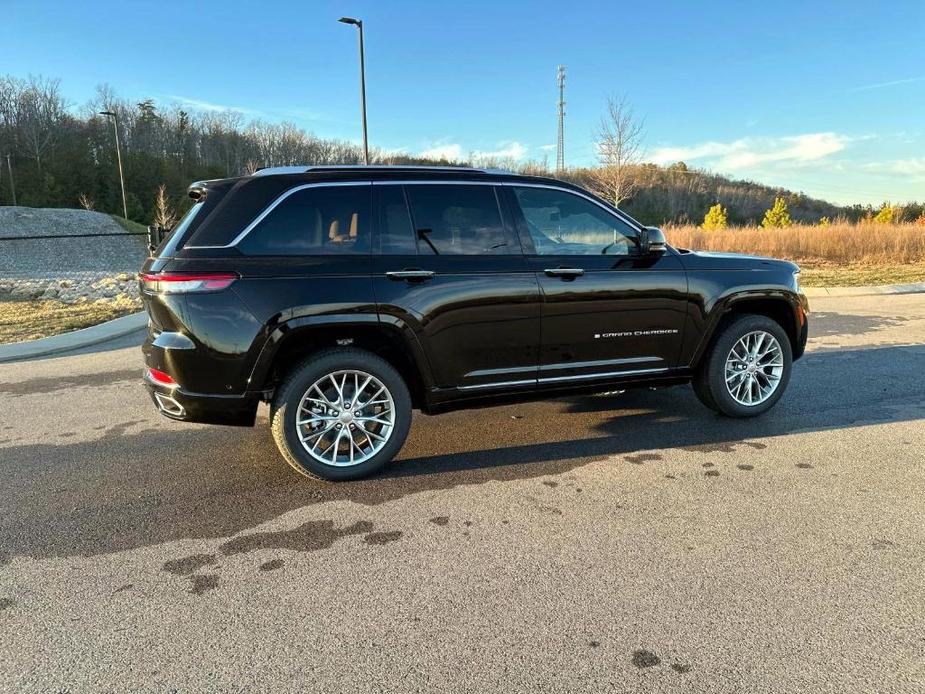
(622, 542)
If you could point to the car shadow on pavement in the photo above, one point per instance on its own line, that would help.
(124, 489)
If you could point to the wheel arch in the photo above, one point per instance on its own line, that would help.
(292, 341)
(783, 308)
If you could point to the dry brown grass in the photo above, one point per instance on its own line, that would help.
(32, 319)
(814, 246)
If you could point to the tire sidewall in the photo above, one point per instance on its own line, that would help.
(286, 406)
(717, 370)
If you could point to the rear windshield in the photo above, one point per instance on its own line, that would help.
(172, 242)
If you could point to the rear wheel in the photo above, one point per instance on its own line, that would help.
(341, 414)
(747, 369)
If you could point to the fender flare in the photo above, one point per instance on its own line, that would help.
(723, 304)
(283, 331)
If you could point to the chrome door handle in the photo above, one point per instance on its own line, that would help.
(413, 275)
(564, 272)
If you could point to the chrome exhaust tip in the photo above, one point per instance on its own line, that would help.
(168, 405)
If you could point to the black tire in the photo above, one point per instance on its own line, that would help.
(702, 390)
(710, 382)
(285, 405)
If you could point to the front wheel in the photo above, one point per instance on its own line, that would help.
(747, 369)
(341, 414)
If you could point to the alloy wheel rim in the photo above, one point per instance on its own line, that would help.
(754, 367)
(345, 418)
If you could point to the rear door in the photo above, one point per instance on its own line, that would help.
(607, 311)
(449, 268)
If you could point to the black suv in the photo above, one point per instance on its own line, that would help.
(346, 296)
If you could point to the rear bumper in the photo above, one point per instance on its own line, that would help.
(176, 403)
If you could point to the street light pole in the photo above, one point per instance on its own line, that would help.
(359, 25)
(115, 127)
(9, 167)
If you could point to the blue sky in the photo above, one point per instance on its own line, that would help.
(824, 97)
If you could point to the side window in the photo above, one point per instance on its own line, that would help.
(562, 223)
(396, 234)
(321, 220)
(458, 220)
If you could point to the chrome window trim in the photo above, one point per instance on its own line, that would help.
(416, 182)
(410, 181)
(610, 210)
(273, 205)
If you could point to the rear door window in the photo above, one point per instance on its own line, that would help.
(458, 220)
(319, 220)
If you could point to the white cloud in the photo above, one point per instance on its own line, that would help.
(751, 152)
(506, 150)
(453, 151)
(891, 83)
(903, 167)
(450, 152)
(208, 105)
(547, 148)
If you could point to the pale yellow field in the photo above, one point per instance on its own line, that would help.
(834, 255)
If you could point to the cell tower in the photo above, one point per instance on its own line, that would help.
(560, 144)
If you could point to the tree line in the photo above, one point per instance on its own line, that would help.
(64, 157)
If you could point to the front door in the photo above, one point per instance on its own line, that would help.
(449, 268)
(608, 312)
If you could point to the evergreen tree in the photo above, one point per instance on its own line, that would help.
(715, 218)
(778, 215)
(886, 214)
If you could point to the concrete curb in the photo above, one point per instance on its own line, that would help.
(73, 340)
(865, 291)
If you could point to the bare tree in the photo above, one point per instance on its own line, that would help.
(619, 150)
(164, 215)
(86, 202)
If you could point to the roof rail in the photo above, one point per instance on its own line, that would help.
(278, 170)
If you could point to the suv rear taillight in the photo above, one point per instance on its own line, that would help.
(183, 283)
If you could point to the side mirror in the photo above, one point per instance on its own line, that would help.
(652, 241)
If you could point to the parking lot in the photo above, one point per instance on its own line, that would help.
(622, 542)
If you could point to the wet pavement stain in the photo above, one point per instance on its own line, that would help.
(670, 477)
(708, 464)
(882, 544)
(122, 589)
(746, 467)
(308, 537)
(711, 473)
(594, 644)
(804, 466)
(203, 583)
(382, 538)
(184, 566)
(6, 603)
(36, 386)
(550, 483)
(272, 565)
(643, 658)
(440, 520)
(552, 510)
(681, 667)
(641, 458)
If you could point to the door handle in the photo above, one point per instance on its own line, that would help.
(410, 275)
(566, 273)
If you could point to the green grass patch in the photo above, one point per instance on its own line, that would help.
(129, 225)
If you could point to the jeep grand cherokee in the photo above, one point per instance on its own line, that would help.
(346, 296)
